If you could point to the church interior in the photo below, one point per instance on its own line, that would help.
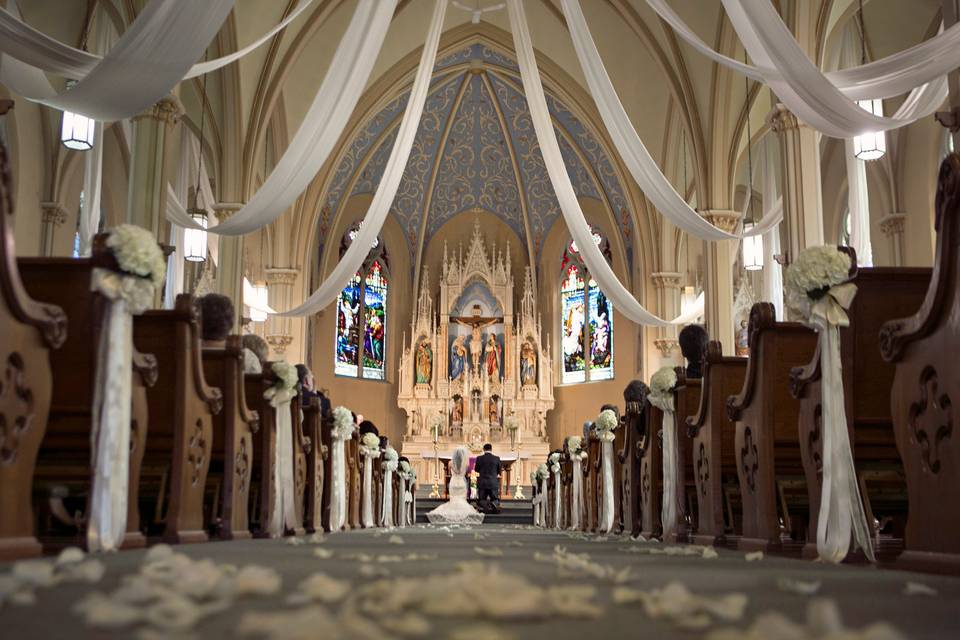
(479, 318)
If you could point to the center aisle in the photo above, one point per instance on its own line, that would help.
(505, 582)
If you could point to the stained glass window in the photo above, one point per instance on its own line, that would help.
(375, 315)
(572, 306)
(587, 317)
(361, 330)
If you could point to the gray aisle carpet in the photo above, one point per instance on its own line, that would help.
(518, 582)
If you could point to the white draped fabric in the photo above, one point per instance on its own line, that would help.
(576, 502)
(858, 202)
(826, 102)
(607, 507)
(110, 433)
(90, 206)
(283, 514)
(557, 512)
(338, 483)
(387, 188)
(543, 503)
(569, 206)
(322, 125)
(149, 59)
(642, 166)
(772, 271)
(366, 509)
(841, 508)
(386, 515)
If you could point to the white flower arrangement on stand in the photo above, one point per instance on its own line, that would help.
(284, 513)
(554, 462)
(819, 291)
(128, 291)
(662, 386)
(370, 445)
(343, 427)
(605, 425)
(511, 423)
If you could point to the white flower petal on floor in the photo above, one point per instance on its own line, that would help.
(823, 623)
(257, 581)
(676, 603)
(323, 554)
(490, 552)
(918, 589)
(753, 556)
(801, 587)
(320, 588)
(395, 540)
(410, 625)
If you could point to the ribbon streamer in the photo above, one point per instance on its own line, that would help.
(576, 502)
(386, 518)
(338, 502)
(556, 501)
(283, 515)
(543, 505)
(668, 510)
(606, 462)
(367, 519)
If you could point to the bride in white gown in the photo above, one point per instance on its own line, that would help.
(457, 510)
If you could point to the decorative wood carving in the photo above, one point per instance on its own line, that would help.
(634, 428)
(313, 428)
(923, 347)
(686, 400)
(651, 476)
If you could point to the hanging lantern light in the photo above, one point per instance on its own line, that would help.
(871, 145)
(195, 240)
(752, 249)
(76, 131)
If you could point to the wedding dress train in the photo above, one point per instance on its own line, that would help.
(457, 510)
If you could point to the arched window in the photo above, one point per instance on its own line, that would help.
(587, 317)
(361, 332)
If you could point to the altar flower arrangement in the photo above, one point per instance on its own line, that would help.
(390, 458)
(343, 425)
(605, 424)
(816, 285)
(511, 423)
(575, 447)
(137, 253)
(436, 424)
(555, 462)
(370, 445)
(661, 388)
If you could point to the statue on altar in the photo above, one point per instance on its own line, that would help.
(492, 358)
(528, 364)
(458, 359)
(424, 363)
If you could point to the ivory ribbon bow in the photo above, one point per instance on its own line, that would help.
(110, 432)
(841, 507)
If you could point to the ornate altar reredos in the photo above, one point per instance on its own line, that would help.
(473, 372)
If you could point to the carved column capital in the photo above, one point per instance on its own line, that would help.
(279, 342)
(281, 275)
(666, 279)
(780, 119)
(53, 213)
(893, 223)
(665, 346)
(167, 110)
(223, 210)
(724, 219)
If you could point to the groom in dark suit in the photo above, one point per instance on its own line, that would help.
(487, 467)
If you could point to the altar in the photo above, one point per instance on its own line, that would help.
(472, 371)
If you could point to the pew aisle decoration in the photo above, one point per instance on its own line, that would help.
(605, 424)
(390, 463)
(343, 427)
(408, 476)
(555, 471)
(128, 292)
(542, 474)
(577, 454)
(819, 291)
(284, 511)
(662, 385)
(370, 450)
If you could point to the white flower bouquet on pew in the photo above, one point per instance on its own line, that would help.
(128, 291)
(285, 388)
(575, 447)
(542, 472)
(662, 385)
(819, 291)
(343, 425)
(605, 424)
(554, 462)
(390, 459)
(370, 445)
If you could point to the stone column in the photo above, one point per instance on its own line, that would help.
(718, 288)
(280, 281)
(149, 173)
(802, 199)
(667, 284)
(54, 215)
(892, 226)
(230, 256)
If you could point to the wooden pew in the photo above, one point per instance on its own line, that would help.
(882, 294)
(182, 407)
(591, 484)
(651, 475)
(30, 329)
(261, 474)
(354, 480)
(64, 460)
(766, 445)
(326, 438)
(234, 429)
(712, 453)
(634, 427)
(926, 393)
(302, 446)
(566, 482)
(686, 401)
(314, 425)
